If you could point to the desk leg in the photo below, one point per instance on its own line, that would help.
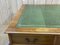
(10, 39)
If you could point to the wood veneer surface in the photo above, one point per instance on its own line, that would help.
(12, 28)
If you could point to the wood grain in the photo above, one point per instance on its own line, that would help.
(12, 28)
(41, 39)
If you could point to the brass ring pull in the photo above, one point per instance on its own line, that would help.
(27, 39)
(35, 40)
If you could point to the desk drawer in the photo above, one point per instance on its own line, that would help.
(32, 39)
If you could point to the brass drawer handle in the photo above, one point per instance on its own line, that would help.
(27, 39)
(35, 40)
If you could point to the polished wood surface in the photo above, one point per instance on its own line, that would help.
(12, 28)
(25, 44)
(15, 34)
(33, 39)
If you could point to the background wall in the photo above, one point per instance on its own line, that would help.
(8, 9)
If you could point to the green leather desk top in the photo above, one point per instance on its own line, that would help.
(40, 16)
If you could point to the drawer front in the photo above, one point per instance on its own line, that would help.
(32, 39)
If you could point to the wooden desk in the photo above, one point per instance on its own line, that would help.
(45, 32)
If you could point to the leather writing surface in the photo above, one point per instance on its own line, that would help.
(40, 16)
